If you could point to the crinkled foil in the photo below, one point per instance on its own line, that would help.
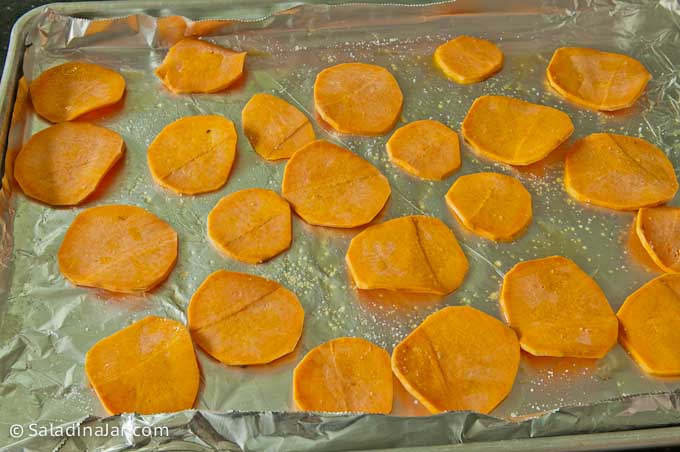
(48, 324)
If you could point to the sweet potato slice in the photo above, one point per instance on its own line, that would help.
(650, 326)
(196, 66)
(557, 309)
(242, 319)
(426, 149)
(618, 172)
(193, 154)
(513, 131)
(64, 92)
(492, 205)
(147, 368)
(347, 374)
(414, 254)
(468, 60)
(274, 127)
(358, 98)
(330, 186)
(63, 164)
(658, 229)
(595, 79)
(118, 248)
(251, 225)
(459, 358)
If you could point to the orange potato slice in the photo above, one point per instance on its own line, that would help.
(658, 229)
(557, 309)
(358, 98)
(195, 66)
(242, 319)
(193, 154)
(118, 248)
(513, 131)
(465, 59)
(147, 368)
(595, 79)
(618, 172)
(327, 185)
(492, 205)
(650, 326)
(347, 374)
(459, 358)
(414, 254)
(64, 92)
(274, 127)
(251, 225)
(63, 164)
(426, 149)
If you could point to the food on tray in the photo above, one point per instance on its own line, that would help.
(414, 253)
(63, 164)
(557, 309)
(193, 154)
(658, 229)
(358, 98)
(118, 248)
(492, 205)
(251, 225)
(242, 319)
(513, 131)
(275, 128)
(196, 66)
(344, 375)
(618, 172)
(595, 79)
(459, 358)
(67, 91)
(650, 326)
(147, 368)
(327, 185)
(468, 60)
(426, 149)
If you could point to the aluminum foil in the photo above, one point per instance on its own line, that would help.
(47, 324)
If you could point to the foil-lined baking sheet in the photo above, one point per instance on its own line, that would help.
(47, 324)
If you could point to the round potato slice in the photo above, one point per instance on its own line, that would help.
(118, 248)
(426, 149)
(64, 92)
(358, 98)
(147, 368)
(618, 172)
(459, 358)
(658, 229)
(242, 319)
(492, 205)
(63, 164)
(557, 309)
(195, 66)
(193, 154)
(595, 79)
(330, 186)
(251, 225)
(468, 60)
(344, 375)
(414, 254)
(274, 127)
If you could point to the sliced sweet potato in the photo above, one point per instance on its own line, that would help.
(118, 248)
(147, 368)
(251, 225)
(344, 375)
(557, 309)
(63, 164)
(658, 229)
(327, 185)
(618, 172)
(414, 253)
(465, 59)
(513, 131)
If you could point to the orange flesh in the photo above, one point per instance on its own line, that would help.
(658, 229)
(468, 60)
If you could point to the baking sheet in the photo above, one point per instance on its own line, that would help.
(48, 324)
